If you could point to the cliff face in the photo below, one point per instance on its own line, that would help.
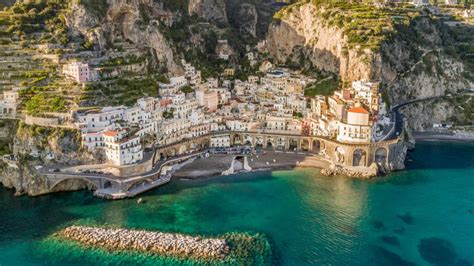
(247, 19)
(39, 146)
(211, 10)
(302, 35)
(412, 64)
(135, 21)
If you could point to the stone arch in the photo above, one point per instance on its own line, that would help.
(318, 146)
(248, 140)
(171, 152)
(205, 143)
(292, 144)
(162, 156)
(193, 145)
(237, 139)
(380, 155)
(270, 143)
(182, 149)
(259, 142)
(359, 158)
(75, 182)
(305, 145)
(107, 184)
(340, 154)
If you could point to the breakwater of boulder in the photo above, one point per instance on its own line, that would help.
(168, 244)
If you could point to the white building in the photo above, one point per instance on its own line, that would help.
(220, 141)
(174, 130)
(93, 140)
(275, 123)
(183, 109)
(367, 92)
(190, 72)
(176, 83)
(9, 102)
(98, 121)
(239, 125)
(198, 130)
(148, 104)
(136, 115)
(357, 129)
(121, 150)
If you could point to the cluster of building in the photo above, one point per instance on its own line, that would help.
(272, 102)
(355, 114)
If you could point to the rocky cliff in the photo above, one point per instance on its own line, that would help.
(303, 36)
(40, 147)
(411, 59)
(136, 21)
(210, 10)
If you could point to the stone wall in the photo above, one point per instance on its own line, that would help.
(41, 121)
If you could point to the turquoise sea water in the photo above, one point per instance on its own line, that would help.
(422, 216)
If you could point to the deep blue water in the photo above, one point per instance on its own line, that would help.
(421, 216)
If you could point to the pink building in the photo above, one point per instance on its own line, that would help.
(80, 72)
(211, 100)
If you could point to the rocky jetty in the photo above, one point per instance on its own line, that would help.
(364, 173)
(167, 244)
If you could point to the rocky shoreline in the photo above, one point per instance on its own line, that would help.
(168, 244)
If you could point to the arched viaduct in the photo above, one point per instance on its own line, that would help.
(344, 154)
(347, 154)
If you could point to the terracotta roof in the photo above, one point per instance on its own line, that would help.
(111, 133)
(359, 110)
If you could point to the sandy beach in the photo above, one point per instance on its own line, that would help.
(216, 164)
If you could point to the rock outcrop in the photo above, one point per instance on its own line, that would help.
(35, 146)
(248, 19)
(213, 11)
(363, 173)
(303, 36)
(133, 21)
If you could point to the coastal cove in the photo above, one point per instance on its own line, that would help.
(420, 216)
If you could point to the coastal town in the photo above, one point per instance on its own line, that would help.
(138, 122)
(236, 132)
(271, 104)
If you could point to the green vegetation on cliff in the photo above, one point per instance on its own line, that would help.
(99, 7)
(364, 25)
(41, 16)
(325, 86)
